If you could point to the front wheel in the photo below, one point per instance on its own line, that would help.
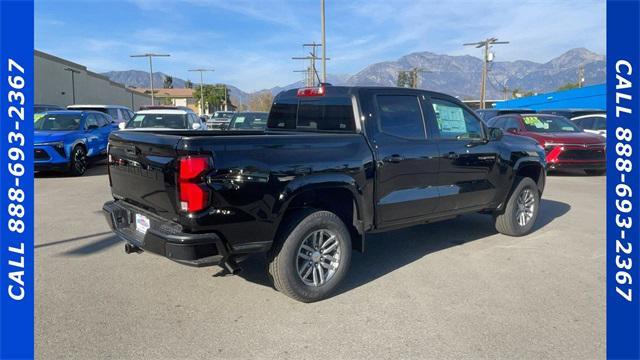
(311, 256)
(78, 164)
(521, 210)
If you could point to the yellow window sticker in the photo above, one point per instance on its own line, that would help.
(535, 121)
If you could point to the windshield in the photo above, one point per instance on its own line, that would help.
(58, 122)
(167, 121)
(248, 121)
(548, 124)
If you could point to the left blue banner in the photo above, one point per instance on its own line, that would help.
(16, 180)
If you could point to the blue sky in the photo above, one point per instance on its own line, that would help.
(250, 43)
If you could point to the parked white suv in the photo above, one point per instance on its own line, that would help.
(594, 123)
(164, 119)
(119, 113)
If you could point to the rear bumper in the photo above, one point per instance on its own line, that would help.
(165, 238)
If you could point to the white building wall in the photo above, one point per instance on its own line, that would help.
(53, 85)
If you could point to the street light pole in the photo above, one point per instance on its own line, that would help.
(150, 56)
(73, 82)
(202, 88)
(324, 44)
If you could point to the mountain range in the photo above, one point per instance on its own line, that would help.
(455, 75)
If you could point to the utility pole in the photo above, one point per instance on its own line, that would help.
(486, 45)
(73, 82)
(324, 44)
(201, 71)
(150, 56)
(581, 76)
(311, 69)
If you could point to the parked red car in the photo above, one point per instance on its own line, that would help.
(566, 145)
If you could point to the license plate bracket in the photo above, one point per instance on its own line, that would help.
(142, 223)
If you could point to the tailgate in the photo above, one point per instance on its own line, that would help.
(142, 170)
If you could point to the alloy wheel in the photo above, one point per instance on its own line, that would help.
(526, 205)
(318, 257)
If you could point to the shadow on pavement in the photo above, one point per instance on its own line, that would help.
(72, 239)
(389, 251)
(96, 168)
(384, 253)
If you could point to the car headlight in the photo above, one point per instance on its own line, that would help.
(57, 145)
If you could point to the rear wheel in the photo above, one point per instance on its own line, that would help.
(521, 210)
(78, 161)
(593, 172)
(311, 256)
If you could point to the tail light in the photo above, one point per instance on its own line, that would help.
(193, 195)
(311, 91)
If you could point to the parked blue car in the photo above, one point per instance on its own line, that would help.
(67, 140)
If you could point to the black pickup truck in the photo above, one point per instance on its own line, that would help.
(334, 164)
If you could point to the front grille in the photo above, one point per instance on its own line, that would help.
(586, 154)
(40, 154)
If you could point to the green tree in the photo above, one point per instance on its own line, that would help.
(168, 82)
(404, 80)
(215, 97)
(188, 84)
(568, 86)
(516, 93)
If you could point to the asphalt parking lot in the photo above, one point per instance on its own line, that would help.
(447, 290)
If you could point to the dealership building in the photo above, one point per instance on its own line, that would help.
(62, 82)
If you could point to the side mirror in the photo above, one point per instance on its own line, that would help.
(195, 126)
(513, 130)
(495, 134)
(122, 126)
(92, 127)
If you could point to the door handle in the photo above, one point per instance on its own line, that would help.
(453, 155)
(393, 158)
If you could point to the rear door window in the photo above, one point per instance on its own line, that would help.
(600, 123)
(401, 116)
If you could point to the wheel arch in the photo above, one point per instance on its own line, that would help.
(337, 193)
(531, 168)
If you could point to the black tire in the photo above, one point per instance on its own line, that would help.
(284, 260)
(508, 222)
(78, 165)
(593, 172)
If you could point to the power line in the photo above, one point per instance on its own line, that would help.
(150, 56)
(486, 45)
